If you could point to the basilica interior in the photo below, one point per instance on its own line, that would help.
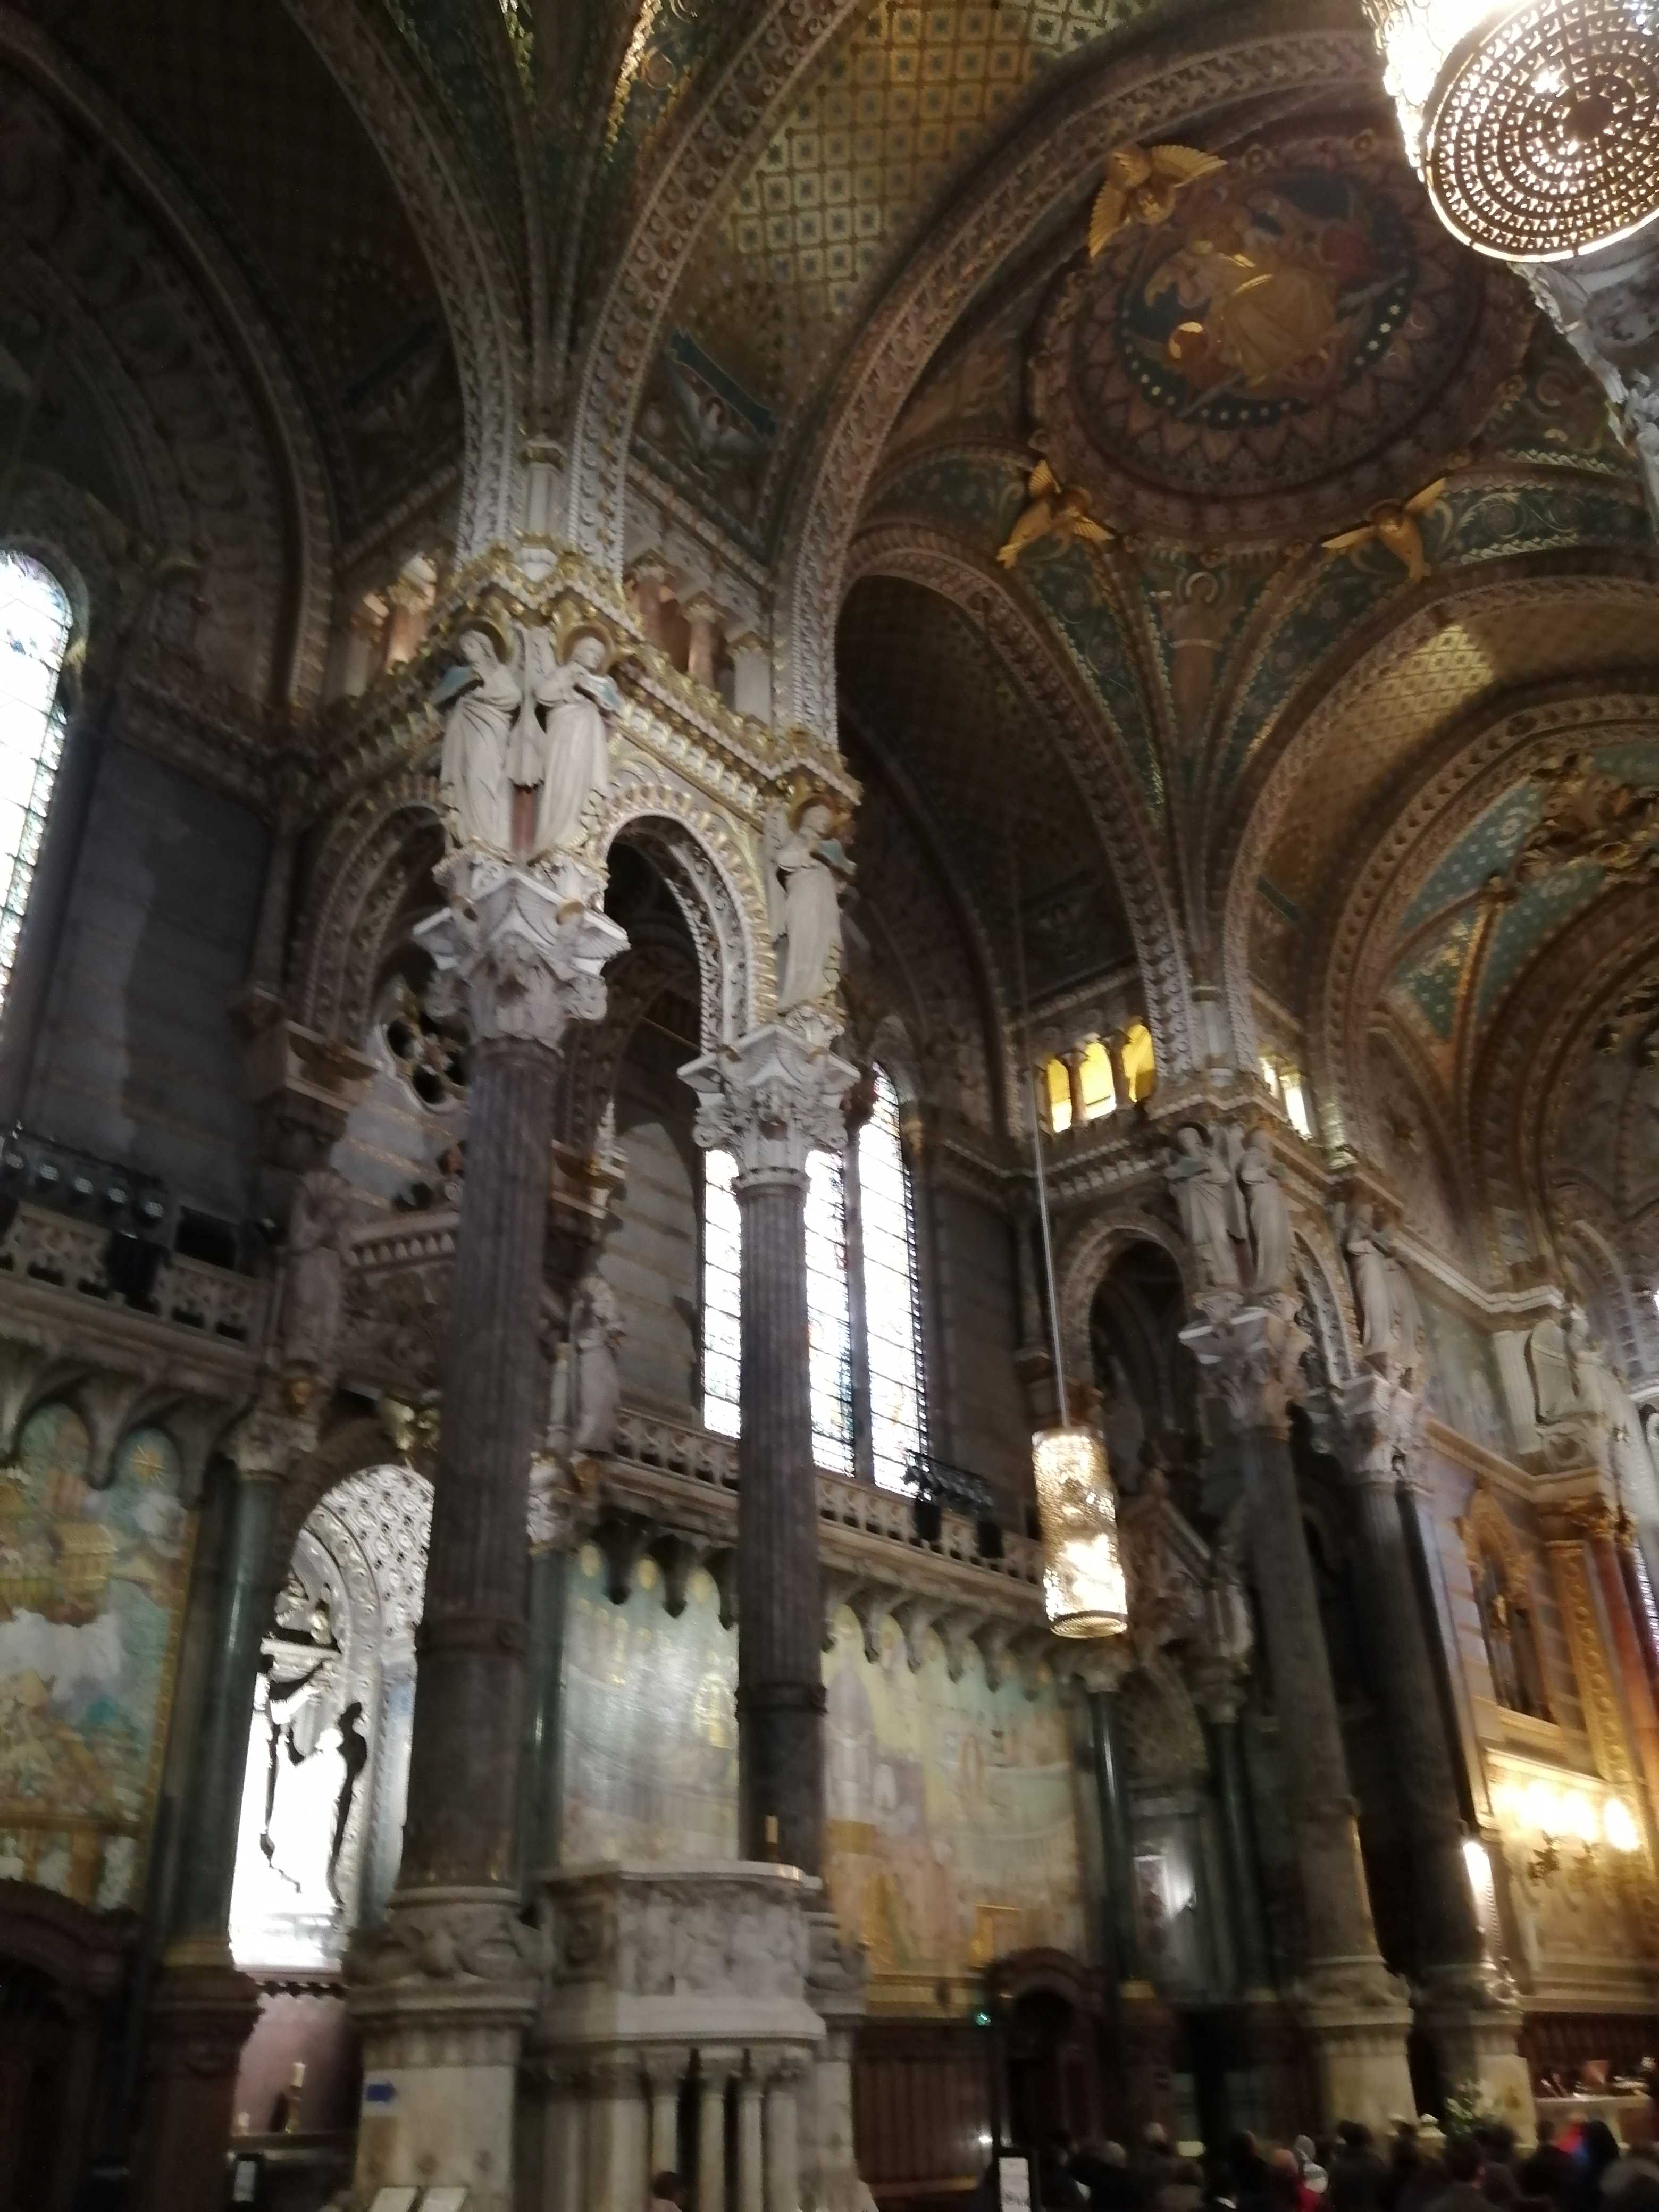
(829, 1011)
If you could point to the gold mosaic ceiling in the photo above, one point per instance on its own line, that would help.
(903, 103)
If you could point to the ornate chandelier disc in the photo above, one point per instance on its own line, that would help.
(1542, 138)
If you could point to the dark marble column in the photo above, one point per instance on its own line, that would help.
(1224, 1730)
(772, 1100)
(542, 1786)
(1127, 1965)
(443, 1990)
(202, 2009)
(1462, 2000)
(1352, 2006)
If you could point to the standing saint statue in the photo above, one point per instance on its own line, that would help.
(478, 701)
(1368, 1266)
(1208, 1202)
(322, 1210)
(1268, 1215)
(807, 869)
(1411, 1340)
(567, 758)
(596, 1335)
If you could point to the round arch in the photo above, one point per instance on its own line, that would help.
(714, 884)
(1086, 1257)
(367, 869)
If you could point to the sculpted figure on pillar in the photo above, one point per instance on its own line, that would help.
(314, 1287)
(807, 869)
(597, 1329)
(1268, 1215)
(1368, 1266)
(478, 701)
(1210, 1203)
(561, 747)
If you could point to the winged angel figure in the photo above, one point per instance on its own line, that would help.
(1394, 524)
(1052, 512)
(1141, 184)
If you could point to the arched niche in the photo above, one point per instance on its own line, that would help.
(327, 1774)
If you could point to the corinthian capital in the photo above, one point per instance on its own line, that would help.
(529, 953)
(770, 1099)
(1252, 1358)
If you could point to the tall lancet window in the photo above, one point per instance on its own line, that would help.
(865, 1359)
(35, 621)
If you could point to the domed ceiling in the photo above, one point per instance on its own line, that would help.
(1297, 341)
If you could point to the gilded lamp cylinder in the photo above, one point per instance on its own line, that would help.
(1085, 1589)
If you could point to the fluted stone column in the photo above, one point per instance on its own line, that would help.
(1351, 2007)
(442, 1991)
(771, 1100)
(203, 2009)
(1465, 2003)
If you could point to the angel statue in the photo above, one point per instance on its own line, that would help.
(1410, 1337)
(807, 872)
(597, 1330)
(1395, 524)
(1208, 1200)
(1141, 185)
(1052, 512)
(567, 759)
(478, 700)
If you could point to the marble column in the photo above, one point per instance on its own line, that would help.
(1465, 2003)
(554, 1528)
(1221, 1699)
(771, 1100)
(1128, 1966)
(1351, 2007)
(715, 2070)
(203, 2009)
(442, 1992)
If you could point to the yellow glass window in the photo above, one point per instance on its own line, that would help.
(1058, 1084)
(1138, 1065)
(1096, 1074)
(1296, 1103)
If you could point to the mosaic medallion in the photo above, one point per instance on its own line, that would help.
(1298, 339)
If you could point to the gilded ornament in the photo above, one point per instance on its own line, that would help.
(1141, 184)
(1394, 523)
(1585, 814)
(1052, 512)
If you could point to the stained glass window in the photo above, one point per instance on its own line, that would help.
(889, 1349)
(829, 1328)
(891, 1309)
(35, 630)
(721, 1288)
(1094, 1076)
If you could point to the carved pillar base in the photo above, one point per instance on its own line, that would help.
(829, 2177)
(1473, 2022)
(1355, 2022)
(1146, 2052)
(441, 1994)
(199, 2019)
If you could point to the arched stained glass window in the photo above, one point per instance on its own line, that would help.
(866, 1350)
(35, 621)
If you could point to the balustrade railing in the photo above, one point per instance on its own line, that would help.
(122, 1272)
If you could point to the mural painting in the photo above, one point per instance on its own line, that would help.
(951, 1833)
(1464, 1390)
(92, 1588)
(650, 1722)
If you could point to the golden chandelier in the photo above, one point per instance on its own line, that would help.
(1535, 124)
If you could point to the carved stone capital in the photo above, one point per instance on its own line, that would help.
(279, 1429)
(557, 1516)
(1380, 1428)
(1251, 1357)
(530, 953)
(447, 1939)
(771, 1099)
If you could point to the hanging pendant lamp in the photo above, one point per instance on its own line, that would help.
(1535, 124)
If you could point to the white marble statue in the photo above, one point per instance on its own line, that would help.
(807, 872)
(1368, 1266)
(567, 756)
(478, 701)
(322, 1211)
(596, 1334)
(1267, 1213)
(1210, 1204)
(1410, 1338)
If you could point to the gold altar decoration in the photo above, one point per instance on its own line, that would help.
(1085, 1589)
(1532, 122)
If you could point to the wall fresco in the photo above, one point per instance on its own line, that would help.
(92, 1591)
(951, 1831)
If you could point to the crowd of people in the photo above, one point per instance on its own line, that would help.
(1580, 2169)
